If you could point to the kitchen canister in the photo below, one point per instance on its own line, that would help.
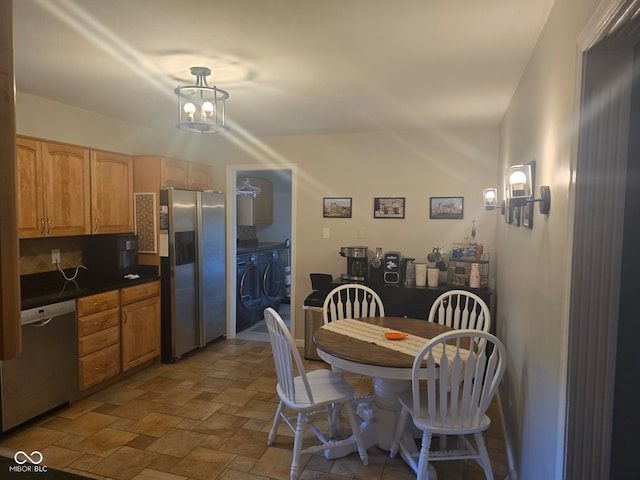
(421, 274)
(474, 276)
(432, 276)
(410, 274)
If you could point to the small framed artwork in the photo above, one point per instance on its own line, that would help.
(446, 208)
(333, 207)
(388, 207)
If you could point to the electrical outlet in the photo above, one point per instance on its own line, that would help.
(55, 255)
(325, 232)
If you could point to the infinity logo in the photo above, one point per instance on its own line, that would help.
(35, 457)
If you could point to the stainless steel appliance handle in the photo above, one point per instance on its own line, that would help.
(39, 323)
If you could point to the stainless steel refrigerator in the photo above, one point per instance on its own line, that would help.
(192, 268)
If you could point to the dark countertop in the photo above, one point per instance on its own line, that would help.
(399, 299)
(50, 287)
(260, 247)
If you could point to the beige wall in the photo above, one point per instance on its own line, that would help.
(414, 165)
(533, 269)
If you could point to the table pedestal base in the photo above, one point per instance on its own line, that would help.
(380, 430)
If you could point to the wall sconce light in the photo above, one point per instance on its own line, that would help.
(519, 185)
(490, 196)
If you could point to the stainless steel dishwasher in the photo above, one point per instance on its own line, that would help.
(45, 374)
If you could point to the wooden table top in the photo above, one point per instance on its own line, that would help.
(359, 351)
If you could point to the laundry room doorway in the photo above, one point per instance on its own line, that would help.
(260, 231)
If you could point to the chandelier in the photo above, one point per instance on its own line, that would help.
(201, 107)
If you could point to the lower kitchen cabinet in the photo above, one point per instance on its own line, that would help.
(98, 338)
(117, 330)
(140, 324)
(98, 366)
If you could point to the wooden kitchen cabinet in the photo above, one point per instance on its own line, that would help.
(98, 338)
(97, 303)
(53, 189)
(111, 192)
(200, 176)
(140, 323)
(173, 173)
(259, 210)
(263, 205)
(153, 172)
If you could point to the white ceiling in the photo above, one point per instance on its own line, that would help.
(290, 66)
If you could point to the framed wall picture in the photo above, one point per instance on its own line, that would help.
(388, 207)
(446, 208)
(336, 207)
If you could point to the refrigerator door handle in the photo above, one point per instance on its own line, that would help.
(200, 271)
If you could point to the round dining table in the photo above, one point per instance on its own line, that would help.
(373, 355)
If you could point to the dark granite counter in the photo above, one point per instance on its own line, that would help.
(50, 287)
(402, 300)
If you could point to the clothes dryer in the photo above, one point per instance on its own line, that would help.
(249, 305)
(272, 279)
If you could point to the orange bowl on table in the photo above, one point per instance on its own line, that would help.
(395, 335)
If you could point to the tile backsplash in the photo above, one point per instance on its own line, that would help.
(35, 253)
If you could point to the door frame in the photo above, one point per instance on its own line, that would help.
(601, 153)
(232, 235)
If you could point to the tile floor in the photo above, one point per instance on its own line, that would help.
(203, 418)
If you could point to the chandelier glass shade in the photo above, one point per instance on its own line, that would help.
(201, 107)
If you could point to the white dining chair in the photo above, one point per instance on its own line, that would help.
(309, 395)
(460, 309)
(351, 300)
(459, 387)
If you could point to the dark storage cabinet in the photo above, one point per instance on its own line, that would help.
(399, 301)
(415, 302)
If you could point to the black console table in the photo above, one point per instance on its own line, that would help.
(403, 300)
(415, 302)
(399, 301)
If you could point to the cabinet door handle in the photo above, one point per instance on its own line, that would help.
(48, 226)
(100, 367)
(42, 226)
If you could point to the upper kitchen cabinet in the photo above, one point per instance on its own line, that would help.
(111, 192)
(53, 189)
(153, 172)
(258, 210)
(169, 172)
(200, 176)
(173, 173)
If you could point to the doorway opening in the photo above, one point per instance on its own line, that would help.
(260, 226)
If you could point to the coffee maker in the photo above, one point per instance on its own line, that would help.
(357, 264)
(113, 255)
